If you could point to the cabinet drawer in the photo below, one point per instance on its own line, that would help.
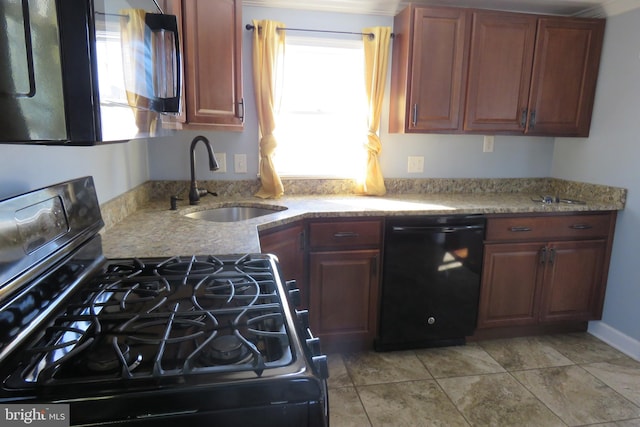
(344, 234)
(548, 227)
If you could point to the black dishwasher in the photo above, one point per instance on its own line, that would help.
(431, 281)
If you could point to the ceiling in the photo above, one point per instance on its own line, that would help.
(587, 8)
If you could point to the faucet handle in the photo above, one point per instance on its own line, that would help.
(174, 202)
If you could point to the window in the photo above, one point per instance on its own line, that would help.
(322, 120)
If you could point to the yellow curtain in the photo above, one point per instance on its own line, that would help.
(135, 55)
(376, 57)
(268, 54)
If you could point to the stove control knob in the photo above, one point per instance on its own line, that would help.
(303, 318)
(314, 346)
(322, 366)
(294, 297)
(291, 285)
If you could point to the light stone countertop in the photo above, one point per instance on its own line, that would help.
(157, 231)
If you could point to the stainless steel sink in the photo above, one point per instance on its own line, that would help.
(234, 213)
(551, 199)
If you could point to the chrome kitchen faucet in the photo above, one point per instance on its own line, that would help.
(194, 192)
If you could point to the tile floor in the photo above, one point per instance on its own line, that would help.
(557, 380)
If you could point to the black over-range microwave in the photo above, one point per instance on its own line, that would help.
(83, 72)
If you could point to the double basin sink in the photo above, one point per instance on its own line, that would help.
(234, 213)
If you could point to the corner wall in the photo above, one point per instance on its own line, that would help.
(610, 156)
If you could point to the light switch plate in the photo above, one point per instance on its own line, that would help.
(222, 162)
(415, 164)
(487, 146)
(240, 163)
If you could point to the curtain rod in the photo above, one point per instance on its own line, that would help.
(371, 35)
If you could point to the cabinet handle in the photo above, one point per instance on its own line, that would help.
(374, 267)
(302, 241)
(523, 118)
(414, 116)
(241, 110)
(519, 229)
(345, 234)
(532, 122)
(580, 226)
(552, 255)
(543, 255)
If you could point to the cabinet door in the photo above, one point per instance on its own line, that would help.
(429, 69)
(287, 244)
(511, 281)
(565, 71)
(213, 62)
(573, 281)
(344, 292)
(500, 63)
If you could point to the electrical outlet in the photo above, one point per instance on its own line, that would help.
(240, 163)
(487, 146)
(415, 164)
(222, 162)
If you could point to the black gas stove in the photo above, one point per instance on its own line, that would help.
(208, 339)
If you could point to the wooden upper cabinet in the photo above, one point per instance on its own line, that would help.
(565, 70)
(531, 74)
(213, 63)
(429, 69)
(500, 64)
(458, 70)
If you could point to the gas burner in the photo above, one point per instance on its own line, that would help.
(175, 266)
(125, 269)
(230, 287)
(107, 357)
(225, 350)
(248, 264)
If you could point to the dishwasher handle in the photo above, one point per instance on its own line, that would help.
(436, 228)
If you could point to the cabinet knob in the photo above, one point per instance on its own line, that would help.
(520, 229)
(580, 227)
(431, 320)
(345, 235)
(241, 110)
(532, 120)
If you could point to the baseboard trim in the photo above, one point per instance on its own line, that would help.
(615, 338)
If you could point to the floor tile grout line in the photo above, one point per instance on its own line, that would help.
(355, 387)
(587, 372)
(567, 353)
(536, 397)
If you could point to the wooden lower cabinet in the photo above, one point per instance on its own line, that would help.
(344, 296)
(573, 283)
(528, 282)
(511, 279)
(288, 245)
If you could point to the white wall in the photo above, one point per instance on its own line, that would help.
(116, 168)
(610, 156)
(446, 156)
